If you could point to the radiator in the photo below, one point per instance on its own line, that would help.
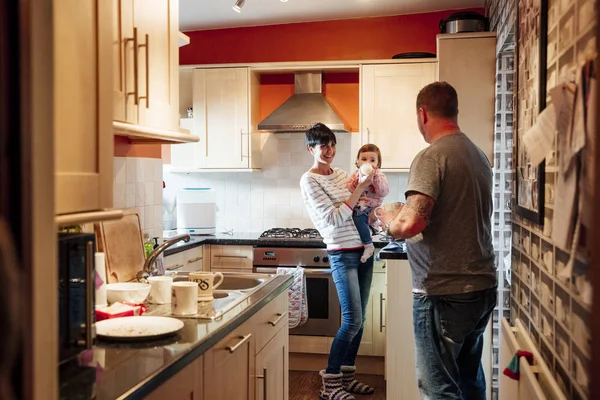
(536, 382)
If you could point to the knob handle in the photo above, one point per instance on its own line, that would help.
(325, 259)
(316, 259)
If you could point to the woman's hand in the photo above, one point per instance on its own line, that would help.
(365, 180)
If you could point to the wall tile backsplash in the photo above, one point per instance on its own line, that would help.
(138, 183)
(254, 202)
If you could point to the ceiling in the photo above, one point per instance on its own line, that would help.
(213, 14)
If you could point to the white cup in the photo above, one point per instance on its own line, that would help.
(184, 298)
(206, 283)
(160, 291)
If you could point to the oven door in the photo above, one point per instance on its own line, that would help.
(324, 312)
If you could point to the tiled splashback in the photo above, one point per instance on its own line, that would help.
(253, 202)
(138, 183)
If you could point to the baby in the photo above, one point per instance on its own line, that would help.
(368, 161)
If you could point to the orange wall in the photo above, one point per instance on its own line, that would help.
(124, 148)
(352, 39)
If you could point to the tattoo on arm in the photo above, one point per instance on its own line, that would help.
(419, 206)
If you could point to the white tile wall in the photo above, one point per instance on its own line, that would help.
(138, 183)
(254, 202)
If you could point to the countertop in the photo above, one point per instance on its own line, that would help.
(252, 239)
(113, 370)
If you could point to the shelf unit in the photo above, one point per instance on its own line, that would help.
(143, 135)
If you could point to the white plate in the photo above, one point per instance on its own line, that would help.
(140, 327)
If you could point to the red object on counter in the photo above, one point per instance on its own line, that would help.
(118, 310)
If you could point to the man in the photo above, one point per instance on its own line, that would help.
(447, 224)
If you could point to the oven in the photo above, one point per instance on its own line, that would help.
(324, 312)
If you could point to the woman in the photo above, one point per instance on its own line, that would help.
(330, 207)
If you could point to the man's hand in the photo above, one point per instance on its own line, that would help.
(388, 212)
(411, 219)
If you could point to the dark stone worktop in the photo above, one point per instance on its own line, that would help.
(252, 239)
(112, 370)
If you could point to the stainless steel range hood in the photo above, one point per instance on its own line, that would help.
(306, 107)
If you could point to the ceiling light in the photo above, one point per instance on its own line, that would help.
(283, 1)
(238, 5)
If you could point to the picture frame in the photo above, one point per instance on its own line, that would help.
(530, 100)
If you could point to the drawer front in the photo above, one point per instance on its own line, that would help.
(174, 262)
(268, 321)
(228, 258)
(232, 346)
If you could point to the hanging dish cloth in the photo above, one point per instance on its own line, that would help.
(298, 305)
(512, 370)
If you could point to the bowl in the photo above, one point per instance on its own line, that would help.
(128, 292)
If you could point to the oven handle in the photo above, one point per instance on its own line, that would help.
(307, 271)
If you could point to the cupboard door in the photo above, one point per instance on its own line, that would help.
(272, 364)
(187, 384)
(379, 314)
(83, 113)
(223, 114)
(157, 58)
(124, 108)
(229, 367)
(389, 116)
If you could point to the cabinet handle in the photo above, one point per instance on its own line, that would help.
(281, 316)
(243, 340)
(146, 47)
(381, 325)
(135, 66)
(241, 145)
(265, 385)
(194, 260)
(174, 267)
(225, 256)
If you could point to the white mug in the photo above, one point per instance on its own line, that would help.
(206, 283)
(160, 293)
(184, 298)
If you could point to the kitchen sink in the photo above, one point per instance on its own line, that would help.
(232, 281)
(236, 287)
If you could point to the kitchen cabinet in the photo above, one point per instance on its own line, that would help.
(227, 258)
(401, 381)
(272, 365)
(373, 340)
(388, 111)
(258, 346)
(145, 63)
(187, 384)
(83, 143)
(468, 62)
(225, 115)
(189, 260)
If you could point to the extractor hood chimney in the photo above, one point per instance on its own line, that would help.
(305, 108)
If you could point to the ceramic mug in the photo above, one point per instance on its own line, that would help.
(184, 298)
(160, 292)
(206, 283)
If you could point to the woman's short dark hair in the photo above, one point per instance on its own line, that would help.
(319, 134)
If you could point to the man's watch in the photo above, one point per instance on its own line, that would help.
(387, 230)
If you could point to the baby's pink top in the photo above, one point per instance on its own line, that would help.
(373, 196)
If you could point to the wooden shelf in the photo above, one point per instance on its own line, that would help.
(85, 217)
(144, 135)
(212, 170)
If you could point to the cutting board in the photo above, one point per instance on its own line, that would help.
(121, 241)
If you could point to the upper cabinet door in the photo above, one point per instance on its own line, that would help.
(221, 116)
(83, 111)
(389, 117)
(156, 54)
(125, 109)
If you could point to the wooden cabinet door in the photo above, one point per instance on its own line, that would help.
(272, 364)
(221, 116)
(124, 108)
(157, 58)
(187, 384)
(468, 62)
(227, 258)
(379, 313)
(83, 113)
(229, 366)
(389, 116)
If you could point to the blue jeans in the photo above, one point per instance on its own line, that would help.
(362, 226)
(449, 342)
(353, 283)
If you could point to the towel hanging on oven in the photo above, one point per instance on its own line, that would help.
(298, 305)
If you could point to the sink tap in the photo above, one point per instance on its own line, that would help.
(149, 269)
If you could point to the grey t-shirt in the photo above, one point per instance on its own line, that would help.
(454, 254)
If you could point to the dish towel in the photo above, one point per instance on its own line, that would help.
(298, 305)
(512, 371)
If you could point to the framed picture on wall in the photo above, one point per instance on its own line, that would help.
(530, 89)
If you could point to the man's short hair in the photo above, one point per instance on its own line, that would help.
(439, 99)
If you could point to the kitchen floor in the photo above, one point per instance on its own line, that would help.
(306, 385)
